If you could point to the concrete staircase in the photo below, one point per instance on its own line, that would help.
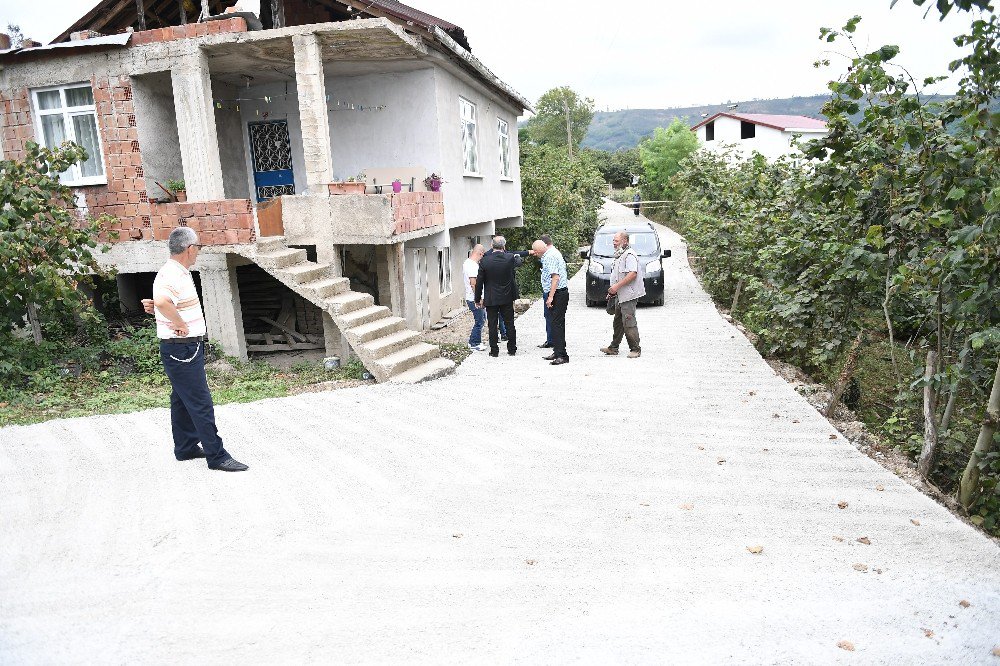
(383, 343)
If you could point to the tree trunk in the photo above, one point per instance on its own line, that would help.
(926, 461)
(278, 13)
(184, 14)
(888, 325)
(569, 128)
(736, 297)
(36, 326)
(205, 10)
(845, 374)
(969, 485)
(953, 391)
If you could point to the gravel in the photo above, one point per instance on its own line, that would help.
(679, 507)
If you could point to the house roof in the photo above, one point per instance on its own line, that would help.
(775, 121)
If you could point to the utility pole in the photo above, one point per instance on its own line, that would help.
(569, 128)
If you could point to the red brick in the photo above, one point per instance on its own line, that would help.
(231, 236)
(160, 233)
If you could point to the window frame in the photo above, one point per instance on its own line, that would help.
(72, 177)
(462, 101)
(444, 272)
(748, 130)
(503, 132)
(710, 131)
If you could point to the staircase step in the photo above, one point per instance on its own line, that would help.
(280, 258)
(390, 344)
(348, 302)
(433, 369)
(270, 243)
(364, 316)
(307, 271)
(376, 329)
(327, 287)
(406, 359)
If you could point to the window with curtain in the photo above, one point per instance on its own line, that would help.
(68, 113)
(470, 142)
(503, 134)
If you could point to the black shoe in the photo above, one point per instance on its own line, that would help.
(511, 353)
(230, 465)
(560, 361)
(503, 338)
(545, 345)
(494, 354)
(550, 357)
(193, 455)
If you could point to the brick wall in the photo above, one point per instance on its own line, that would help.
(417, 210)
(236, 24)
(125, 197)
(15, 119)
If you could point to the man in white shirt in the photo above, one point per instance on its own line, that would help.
(627, 286)
(470, 272)
(180, 325)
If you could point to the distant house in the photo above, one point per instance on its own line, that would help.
(771, 135)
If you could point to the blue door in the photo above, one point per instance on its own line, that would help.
(271, 155)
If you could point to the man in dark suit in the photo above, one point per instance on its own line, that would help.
(496, 288)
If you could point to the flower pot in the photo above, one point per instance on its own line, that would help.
(397, 186)
(435, 184)
(181, 195)
(346, 188)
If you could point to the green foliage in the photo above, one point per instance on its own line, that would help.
(548, 125)
(561, 197)
(45, 248)
(893, 229)
(617, 167)
(661, 158)
(176, 185)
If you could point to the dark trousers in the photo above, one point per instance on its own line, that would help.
(625, 325)
(192, 414)
(495, 313)
(547, 312)
(557, 319)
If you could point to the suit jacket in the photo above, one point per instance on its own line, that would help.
(496, 284)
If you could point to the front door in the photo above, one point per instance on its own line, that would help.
(271, 154)
(420, 288)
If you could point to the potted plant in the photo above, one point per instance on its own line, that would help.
(397, 185)
(353, 185)
(433, 182)
(177, 190)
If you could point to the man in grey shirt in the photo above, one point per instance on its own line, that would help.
(628, 286)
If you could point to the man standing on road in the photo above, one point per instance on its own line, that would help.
(180, 325)
(546, 310)
(555, 291)
(470, 271)
(636, 203)
(496, 288)
(627, 286)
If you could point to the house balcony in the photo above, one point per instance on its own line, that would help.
(352, 219)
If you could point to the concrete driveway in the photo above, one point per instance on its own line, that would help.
(597, 512)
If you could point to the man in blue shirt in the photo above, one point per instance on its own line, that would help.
(555, 291)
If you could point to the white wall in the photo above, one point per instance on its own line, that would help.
(770, 142)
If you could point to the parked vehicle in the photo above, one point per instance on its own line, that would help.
(601, 253)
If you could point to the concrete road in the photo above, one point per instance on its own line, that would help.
(598, 512)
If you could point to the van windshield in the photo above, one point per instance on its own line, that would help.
(644, 243)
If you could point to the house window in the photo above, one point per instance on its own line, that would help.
(470, 142)
(67, 113)
(747, 130)
(710, 131)
(503, 132)
(444, 270)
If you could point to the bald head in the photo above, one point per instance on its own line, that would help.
(539, 247)
(477, 252)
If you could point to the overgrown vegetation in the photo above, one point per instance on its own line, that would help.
(887, 241)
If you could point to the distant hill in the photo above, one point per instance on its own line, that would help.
(625, 129)
(611, 130)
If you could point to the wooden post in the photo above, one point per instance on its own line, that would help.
(736, 297)
(205, 10)
(184, 14)
(140, 9)
(968, 487)
(926, 461)
(277, 14)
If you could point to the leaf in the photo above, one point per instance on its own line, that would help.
(833, 437)
(915, 522)
(888, 52)
(956, 193)
(721, 461)
(841, 505)
(864, 540)
(839, 539)
(687, 507)
(846, 645)
(458, 535)
(530, 562)
(928, 632)
(996, 651)
(976, 520)
(756, 550)
(964, 603)
(879, 487)
(860, 567)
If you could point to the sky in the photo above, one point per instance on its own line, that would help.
(652, 53)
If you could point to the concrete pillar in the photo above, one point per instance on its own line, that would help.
(336, 343)
(395, 278)
(198, 138)
(310, 85)
(221, 301)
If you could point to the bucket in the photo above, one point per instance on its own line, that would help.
(331, 362)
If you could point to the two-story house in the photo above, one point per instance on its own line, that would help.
(262, 115)
(768, 134)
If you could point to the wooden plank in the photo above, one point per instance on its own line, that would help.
(287, 331)
(297, 346)
(269, 218)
